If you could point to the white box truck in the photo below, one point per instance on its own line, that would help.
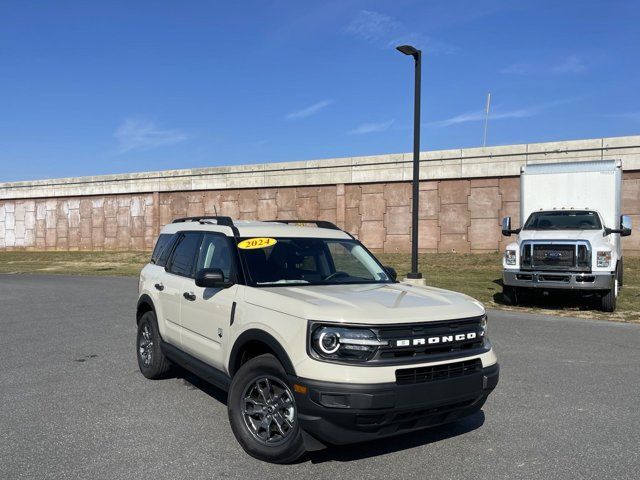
(570, 238)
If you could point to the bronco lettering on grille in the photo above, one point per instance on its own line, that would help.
(439, 339)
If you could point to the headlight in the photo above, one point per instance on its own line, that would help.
(343, 343)
(603, 259)
(483, 326)
(510, 257)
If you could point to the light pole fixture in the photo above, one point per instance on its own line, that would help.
(417, 56)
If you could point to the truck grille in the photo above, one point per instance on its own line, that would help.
(551, 255)
(554, 255)
(408, 376)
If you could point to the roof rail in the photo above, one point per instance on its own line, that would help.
(221, 220)
(318, 223)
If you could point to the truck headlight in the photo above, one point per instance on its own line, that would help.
(510, 257)
(603, 259)
(343, 343)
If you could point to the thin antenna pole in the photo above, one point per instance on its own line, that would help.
(486, 120)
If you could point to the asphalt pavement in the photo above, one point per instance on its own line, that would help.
(73, 404)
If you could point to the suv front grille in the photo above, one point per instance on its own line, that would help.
(425, 351)
(408, 376)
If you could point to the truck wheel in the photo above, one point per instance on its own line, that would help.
(152, 362)
(608, 300)
(620, 274)
(263, 412)
(510, 295)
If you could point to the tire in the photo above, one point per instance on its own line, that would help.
(620, 274)
(151, 361)
(608, 299)
(268, 444)
(510, 295)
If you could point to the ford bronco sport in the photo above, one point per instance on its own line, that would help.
(315, 341)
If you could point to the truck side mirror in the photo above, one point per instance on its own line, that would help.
(506, 226)
(625, 225)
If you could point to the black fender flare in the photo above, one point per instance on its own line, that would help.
(262, 337)
(144, 300)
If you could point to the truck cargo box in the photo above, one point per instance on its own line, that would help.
(594, 185)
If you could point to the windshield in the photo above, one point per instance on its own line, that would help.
(309, 261)
(563, 220)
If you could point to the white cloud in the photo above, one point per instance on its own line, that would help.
(517, 69)
(386, 31)
(372, 26)
(479, 115)
(371, 128)
(310, 110)
(497, 114)
(424, 43)
(570, 65)
(634, 116)
(140, 134)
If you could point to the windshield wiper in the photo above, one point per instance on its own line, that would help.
(283, 281)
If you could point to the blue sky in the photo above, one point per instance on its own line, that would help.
(90, 88)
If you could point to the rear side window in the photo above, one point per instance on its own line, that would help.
(163, 241)
(184, 255)
(166, 251)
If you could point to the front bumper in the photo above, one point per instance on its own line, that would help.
(339, 413)
(559, 280)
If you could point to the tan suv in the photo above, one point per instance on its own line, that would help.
(315, 341)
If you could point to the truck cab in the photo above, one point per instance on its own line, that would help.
(570, 239)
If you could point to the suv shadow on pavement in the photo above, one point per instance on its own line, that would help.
(359, 451)
(193, 382)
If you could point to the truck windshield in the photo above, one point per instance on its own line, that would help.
(309, 261)
(564, 220)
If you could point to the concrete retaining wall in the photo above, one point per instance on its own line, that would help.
(464, 194)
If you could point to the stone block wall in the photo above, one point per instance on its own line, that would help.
(285, 203)
(458, 215)
(119, 222)
(464, 193)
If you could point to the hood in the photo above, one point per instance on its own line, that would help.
(371, 304)
(595, 237)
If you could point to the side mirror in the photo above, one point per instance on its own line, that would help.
(392, 273)
(625, 225)
(211, 278)
(506, 227)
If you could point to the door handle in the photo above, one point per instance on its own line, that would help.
(159, 286)
(189, 296)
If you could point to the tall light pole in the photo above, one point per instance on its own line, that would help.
(414, 274)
